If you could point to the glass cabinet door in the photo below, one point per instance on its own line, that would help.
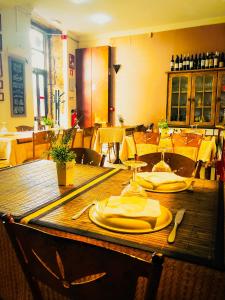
(220, 103)
(203, 99)
(179, 96)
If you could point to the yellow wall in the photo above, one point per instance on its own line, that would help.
(139, 89)
(15, 41)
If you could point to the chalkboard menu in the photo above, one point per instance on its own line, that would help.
(17, 86)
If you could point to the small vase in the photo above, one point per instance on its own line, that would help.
(66, 173)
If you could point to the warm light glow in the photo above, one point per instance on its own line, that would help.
(79, 1)
(100, 18)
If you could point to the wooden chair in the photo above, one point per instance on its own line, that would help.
(40, 139)
(151, 138)
(24, 128)
(79, 270)
(187, 140)
(88, 137)
(179, 164)
(69, 136)
(88, 156)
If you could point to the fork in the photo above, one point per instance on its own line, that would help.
(78, 214)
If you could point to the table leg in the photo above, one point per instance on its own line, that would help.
(117, 161)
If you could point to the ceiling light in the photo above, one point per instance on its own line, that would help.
(79, 1)
(100, 18)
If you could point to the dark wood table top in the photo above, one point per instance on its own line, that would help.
(28, 187)
(199, 238)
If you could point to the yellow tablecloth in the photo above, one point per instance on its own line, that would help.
(206, 153)
(107, 135)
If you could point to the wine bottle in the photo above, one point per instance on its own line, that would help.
(221, 61)
(215, 60)
(184, 63)
(207, 61)
(181, 63)
(172, 64)
(188, 62)
(211, 60)
(195, 65)
(191, 64)
(203, 61)
(176, 67)
(199, 61)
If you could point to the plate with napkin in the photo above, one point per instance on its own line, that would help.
(131, 214)
(163, 182)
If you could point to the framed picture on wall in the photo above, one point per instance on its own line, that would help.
(1, 96)
(1, 84)
(71, 61)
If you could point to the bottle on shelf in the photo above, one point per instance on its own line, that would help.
(211, 57)
(203, 61)
(184, 63)
(195, 62)
(216, 60)
(199, 61)
(207, 60)
(172, 64)
(221, 60)
(188, 62)
(176, 65)
(181, 63)
(191, 63)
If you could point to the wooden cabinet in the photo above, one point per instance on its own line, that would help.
(196, 98)
(93, 84)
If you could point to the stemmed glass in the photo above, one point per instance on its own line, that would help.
(134, 165)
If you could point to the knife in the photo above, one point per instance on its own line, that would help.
(177, 221)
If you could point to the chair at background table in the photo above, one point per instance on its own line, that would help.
(79, 270)
(24, 128)
(187, 143)
(88, 156)
(69, 136)
(89, 134)
(179, 164)
(42, 142)
(146, 138)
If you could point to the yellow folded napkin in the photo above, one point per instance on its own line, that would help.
(159, 178)
(129, 207)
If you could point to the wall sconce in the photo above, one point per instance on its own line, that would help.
(116, 68)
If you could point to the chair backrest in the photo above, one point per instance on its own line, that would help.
(24, 128)
(146, 137)
(187, 140)
(141, 128)
(42, 138)
(79, 270)
(179, 164)
(88, 156)
(69, 136)
(88, 136)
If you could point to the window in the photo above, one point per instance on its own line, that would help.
(39, 57)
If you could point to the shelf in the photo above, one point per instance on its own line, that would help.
(196, 71)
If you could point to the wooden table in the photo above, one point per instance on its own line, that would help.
(199, 245)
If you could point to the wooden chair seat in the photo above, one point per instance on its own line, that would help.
(24, 128)
(79, 270)
(88, 157)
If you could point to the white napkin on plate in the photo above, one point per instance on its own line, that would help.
(159, 178)
(130, 207)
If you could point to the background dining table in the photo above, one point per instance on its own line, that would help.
(198, 250)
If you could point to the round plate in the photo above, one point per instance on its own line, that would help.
(131, 225)
(167, 187)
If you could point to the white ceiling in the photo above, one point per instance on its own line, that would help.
(126, 16)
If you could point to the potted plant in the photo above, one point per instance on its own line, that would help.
(163, 127)
(47, 122)
(65, 162)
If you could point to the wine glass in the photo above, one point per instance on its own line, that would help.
(134, 165)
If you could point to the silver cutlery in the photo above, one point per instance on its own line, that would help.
(177, 221)
(78, 214)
